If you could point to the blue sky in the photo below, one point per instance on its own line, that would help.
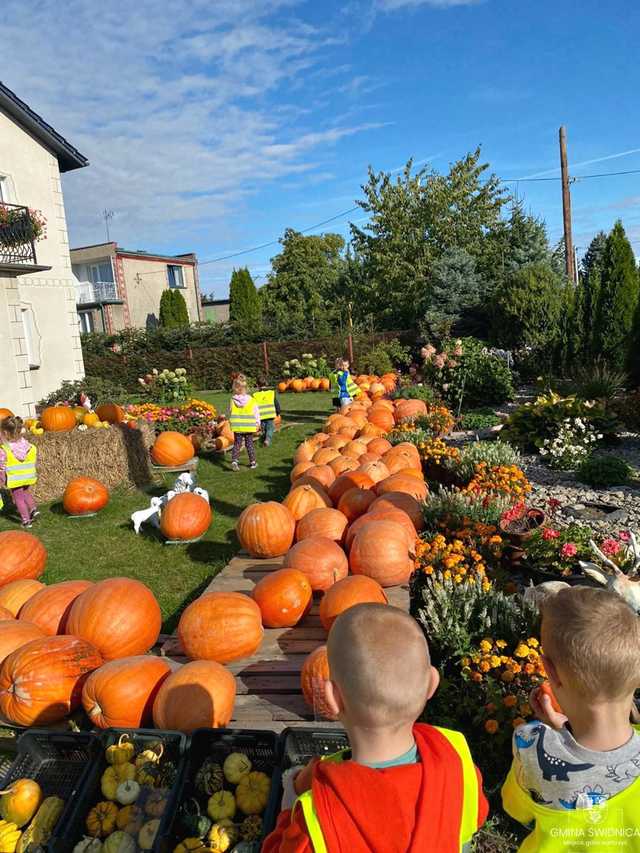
(211, 125)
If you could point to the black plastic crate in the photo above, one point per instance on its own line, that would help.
(175, 747)
(263, 750)
(58, 762)
(300, 745)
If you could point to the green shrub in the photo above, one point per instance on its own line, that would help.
(455, 510)
(494, 453)
(604, 470)
(628, 410)
(385, 357)
(466, 374)
(478, 419)
(415, 392)
(98, 390)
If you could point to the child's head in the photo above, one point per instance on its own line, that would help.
(11, 427)
(342, 364)
(381, 673)
(239, 385)
(591, 643)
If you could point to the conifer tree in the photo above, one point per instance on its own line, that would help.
(590, 280)
(244, 305)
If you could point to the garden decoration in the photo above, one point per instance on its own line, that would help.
(621, 577)
(185, 482)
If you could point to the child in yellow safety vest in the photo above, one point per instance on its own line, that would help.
(18, 468)
(244, 420)
(343, 388)
(403, 787)
(575, 777)
(269, 409)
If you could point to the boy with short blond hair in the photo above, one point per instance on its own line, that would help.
(402, 786)
(576, 775)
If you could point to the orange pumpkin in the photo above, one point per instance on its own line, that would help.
(13, 595)
(111, 413)
(299, 469)
(343, 464)
(315, 671)
(266, 529)
(5, 413)
(297, 385)
(380, 551)
(283, 597)
(172, 449)
(322, 474)
(357, 589)
(325, 455)
(14, 634)
(324, 521)
(186, 516)
(354, 449)
(119, 616)
(83, 495)
(355, 502)
(382, 514)
(5, 614)
(121, 693)
(200, 694)
(358, 416)
(348, 481)
(305, 452)
(381, 418)
(221, 626)
(282, 387)
(22, 555)
(401, 500)
(324, 384)
(413, 486)
(372, 430)
(384, 404)
(377, 470)
(410, 409)
(302, 499)
(41, 682)
(399, 458)
(366, 458)
(336, 441)
(58, 419)
(349, 432)
(322, 560)
(50, 607)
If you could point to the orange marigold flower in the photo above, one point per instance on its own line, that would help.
(491, 726)
(510, 701)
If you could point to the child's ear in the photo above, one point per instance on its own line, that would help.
(333, 698)
(434, 682)
(552, 672)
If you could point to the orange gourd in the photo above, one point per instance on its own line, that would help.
(336, 423)
(41, 682)
(58, 419)
(372, 430)
(120, 694)
(379, 445)
(22, 555)
(324, 521)
(221, 626)
(354, 449)
(357, 589)
(305, 452)
(322, 560)
(401, 500)
(283, 597)
(111, 413)
(325, 455)
(119, 616)
(299, 469)
(410, 409)
(413, 486)
(324, 384)
(348, 481)
(382, 418)
(315, 671)
(336, 441)
(355, 502)
(380, 551)
(172, 449)
(186, 516)
(50, 607)
(13, 595)
(14, 634)
(302, 499)
(266, 529)
(83, 495)
(200, 694)
(382, 514)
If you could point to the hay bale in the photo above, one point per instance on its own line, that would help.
(118, 456)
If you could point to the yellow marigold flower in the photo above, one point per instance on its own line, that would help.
(495, 540)
(533, 643)
(486, 645)
(510, 701)
(495, 661)
(522, 651)
(491, 726)
(501, 644)
(465, 661)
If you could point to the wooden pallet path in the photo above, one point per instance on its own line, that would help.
(269, 694)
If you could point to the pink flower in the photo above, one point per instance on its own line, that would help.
(439, 361)
(624, 536)
(550, 533)
(610, 547)
(569, 549)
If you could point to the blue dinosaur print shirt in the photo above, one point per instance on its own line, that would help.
(559, 773)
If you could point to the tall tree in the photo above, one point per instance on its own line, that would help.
(617, 300)
(590, 281)
(173, 310)
(455, 290)
(244, 302)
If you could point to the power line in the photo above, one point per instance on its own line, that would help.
(574, 178)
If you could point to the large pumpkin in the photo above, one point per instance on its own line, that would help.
(266, 529)
(15, 634)
(172, 449)
(401, 500)
(200, 694)
(119, 616)
(381, 514)
(322, 474)
(111, 413)
(322, 522)
(356, 589)
(58, 419)
(409, 409)
(302, 499)
(399, 458)
(315, 671)
(5, 614)
(381, 417)
(402, 483)
(325, 455)
(186, 516)
(343, 464)
(5, 413)
(354, 449)
(350, 480)
(50, 607)
(320, 559)
(83, 495)
(22, 555)
(336, 441)
(380, 551)
(336, 423)
(355, 502)
(299, 470)
(221, 626)
(304, 452)
(41, 683)
(283, 598)
(17, 593)
(379, 446)
(121, 693)
(376, 469)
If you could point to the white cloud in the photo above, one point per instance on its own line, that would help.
(394, 5)
(182, 109)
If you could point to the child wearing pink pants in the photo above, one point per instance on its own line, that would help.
(18, 468)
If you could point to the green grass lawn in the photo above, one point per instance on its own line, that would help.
(106, 546)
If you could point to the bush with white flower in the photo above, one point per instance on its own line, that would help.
(167, 386)
(306, 365)
(573, 443)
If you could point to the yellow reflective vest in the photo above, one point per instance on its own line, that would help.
(352, 388)
(243, 418)
(469, 817)
(20, 473)
(266, 401)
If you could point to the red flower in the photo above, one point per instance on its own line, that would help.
(610, 547)
(569, 549)
(550, 533)
(624, 536)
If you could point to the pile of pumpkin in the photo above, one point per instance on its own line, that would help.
(62, 418)
(135, 786)
(309, 383)
(28, 818)
(227, 807)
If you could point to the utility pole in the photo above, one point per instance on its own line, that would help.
(569, 255)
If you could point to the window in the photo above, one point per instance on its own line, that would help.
(86, 322)
(174, 273)
(100, 272)
(31, 338)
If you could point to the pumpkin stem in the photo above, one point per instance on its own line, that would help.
(124, 738)
(159, 750)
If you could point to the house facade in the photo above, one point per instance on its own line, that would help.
(39, 332)
(215, 310)
(121, 289)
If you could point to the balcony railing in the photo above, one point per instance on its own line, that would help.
(18, 234)
(96, 291)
